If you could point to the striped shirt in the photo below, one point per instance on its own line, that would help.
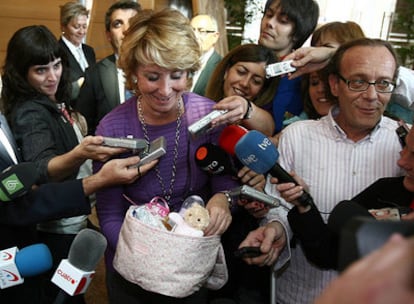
(335, 168)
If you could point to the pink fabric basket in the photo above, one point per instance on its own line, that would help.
(168, 263)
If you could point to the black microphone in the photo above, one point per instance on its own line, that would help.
(214, 160)
(17, 180)
(257, 152)
(75, 273)
(343, 212)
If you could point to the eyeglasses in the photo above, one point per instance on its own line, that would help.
(203, 31)
(359, 85)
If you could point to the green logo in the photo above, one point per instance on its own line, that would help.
(12, 184)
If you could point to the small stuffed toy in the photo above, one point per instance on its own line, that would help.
(196, 218)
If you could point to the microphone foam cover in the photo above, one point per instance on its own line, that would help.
(87, 249)
(256, 151)
(229, 137)
(33, 260)
(214, 160)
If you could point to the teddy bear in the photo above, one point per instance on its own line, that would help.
(195, 219)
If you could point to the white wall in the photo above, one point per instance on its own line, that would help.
(372, 15)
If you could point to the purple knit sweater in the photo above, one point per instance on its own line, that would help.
(123, 121)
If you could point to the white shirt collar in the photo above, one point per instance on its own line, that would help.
(334, 111)
(73, 48)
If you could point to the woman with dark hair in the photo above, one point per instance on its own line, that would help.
(239, 82)
(35, 97)
(16, 87)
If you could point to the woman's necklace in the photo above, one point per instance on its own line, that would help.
(166, 194)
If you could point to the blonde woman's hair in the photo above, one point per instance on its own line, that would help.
(164, 38)
(70, 10)
(340, 31)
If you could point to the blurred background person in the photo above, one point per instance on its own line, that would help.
(74, 25)
(206, 30)
(285, 26)
(104, 86)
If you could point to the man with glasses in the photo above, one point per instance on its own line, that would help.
(336, 157)
(206, 30)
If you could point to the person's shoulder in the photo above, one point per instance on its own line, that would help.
(388, 181)
(103, 64)
(305, 129)
(197, 106)
(389, 124)
(62, 42)
(35, 104)
(33, 111)
(216, 57)
(108, 60)
(304, 125)
(88, 47)
(194, 99)
(127, 108)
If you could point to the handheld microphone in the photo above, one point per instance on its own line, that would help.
(214, 160)
(17, 180)
(75, 273)
(15, 264)
(229, 137)
(257, 152)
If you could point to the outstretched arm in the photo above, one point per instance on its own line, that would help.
(309, 59)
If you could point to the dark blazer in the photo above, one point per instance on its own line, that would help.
(74, 67)
(75, 70)
(42, 132)
(99, 93)
(201, 84)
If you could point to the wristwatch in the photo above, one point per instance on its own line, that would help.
(249, 110)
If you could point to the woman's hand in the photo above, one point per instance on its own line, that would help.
(91, 148)
(236, 107)
(309, 59)
(220, 215)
